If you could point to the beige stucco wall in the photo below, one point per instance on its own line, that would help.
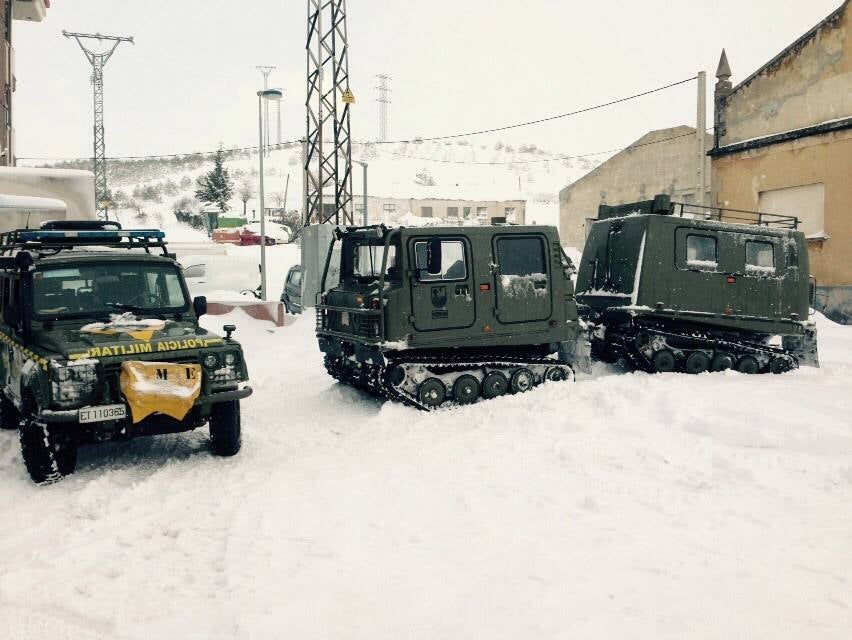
(632, 175)
(827, 159)
(807, 86)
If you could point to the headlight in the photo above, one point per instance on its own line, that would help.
(231, 359)
(73, 383)
(211, 361)
(63, 374)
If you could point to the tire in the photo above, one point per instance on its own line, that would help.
(432, 393)
(225, 429)
(494, 385)
(287, 307)
(664, 361)
(748, 365)
(696, 362)
(522, 380)
(48, 453)
(555, 374)
(781, 364)
(721, 362)
(9, 416)
(466, 389)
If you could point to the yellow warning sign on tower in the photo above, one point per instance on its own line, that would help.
(348, 97)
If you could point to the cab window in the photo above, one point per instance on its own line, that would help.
(521, 256)
(453, 262)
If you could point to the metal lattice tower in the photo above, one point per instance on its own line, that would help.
(266, 70)
(328, 160)
(383, 101)
(98, 60)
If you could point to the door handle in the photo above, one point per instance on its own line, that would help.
(462, 290)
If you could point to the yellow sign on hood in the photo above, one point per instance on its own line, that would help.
(160, 387)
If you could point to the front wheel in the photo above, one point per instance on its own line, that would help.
(225, 429)
(48, 453)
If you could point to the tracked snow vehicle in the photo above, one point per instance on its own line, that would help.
(428, 316)
(674, 287)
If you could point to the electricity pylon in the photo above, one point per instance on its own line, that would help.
(98, 60)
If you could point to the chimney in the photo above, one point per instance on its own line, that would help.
(723, 89)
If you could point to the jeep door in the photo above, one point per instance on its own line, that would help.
(442, 300)
(523, 284)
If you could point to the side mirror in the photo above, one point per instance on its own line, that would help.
(433, 256)
(11, 315)
(229, 329)
(199, 305)
(812, 289)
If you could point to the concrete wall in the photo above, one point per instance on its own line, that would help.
(653, 165)
(6, 83)
(807, 84)
(378, 208)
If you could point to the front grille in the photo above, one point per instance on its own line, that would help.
(343, 322)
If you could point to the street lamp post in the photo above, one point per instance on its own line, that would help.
(364, 167)
(265, 94)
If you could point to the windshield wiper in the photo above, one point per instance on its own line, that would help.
(133, 308)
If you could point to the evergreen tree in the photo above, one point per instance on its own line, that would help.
(216, 186)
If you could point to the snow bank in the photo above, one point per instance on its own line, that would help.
(641, 506)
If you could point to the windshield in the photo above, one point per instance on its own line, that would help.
(362, 260)
(101, 289)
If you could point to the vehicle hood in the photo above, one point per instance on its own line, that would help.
(123, 337)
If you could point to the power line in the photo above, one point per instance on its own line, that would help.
(431, 139)
(548, 118)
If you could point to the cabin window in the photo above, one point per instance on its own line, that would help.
(453, 263)
(296, 278)
(701, 251)
(521, 256)
(760, 256)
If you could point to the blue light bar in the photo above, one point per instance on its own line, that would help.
(106, 236)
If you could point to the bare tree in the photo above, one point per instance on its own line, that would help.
(245, 193)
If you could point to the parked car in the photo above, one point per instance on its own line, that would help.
(278, 232)
(291, 296)
(249, 238)
(205, 274)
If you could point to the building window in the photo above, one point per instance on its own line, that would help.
(701, 251)
(388, 210)
(482, 215)
(426, 212)
(466, 212)
(452, 212)
(511, 216)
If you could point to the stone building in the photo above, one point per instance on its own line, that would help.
(662, 161)
(33, 10)
(445, 211)
(783, 144)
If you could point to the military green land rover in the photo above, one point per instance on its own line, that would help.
(100, 341)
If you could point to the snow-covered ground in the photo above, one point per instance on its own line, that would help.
(620, 506)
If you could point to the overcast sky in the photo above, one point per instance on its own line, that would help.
(189, 83)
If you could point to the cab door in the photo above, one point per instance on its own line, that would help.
(523, 284)
(443, 300)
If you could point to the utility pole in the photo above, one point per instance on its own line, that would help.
(701, 139)
(383, 105)
(98, 60)
(364, 217)
(328, 159)
(266, 70)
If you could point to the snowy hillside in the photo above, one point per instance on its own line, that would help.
(621, 506)
(454, 169)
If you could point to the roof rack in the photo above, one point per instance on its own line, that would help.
(54, 237)
(734, 216)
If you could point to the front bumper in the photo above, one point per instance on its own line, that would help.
(70, 415)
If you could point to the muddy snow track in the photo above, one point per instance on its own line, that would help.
(635, 505)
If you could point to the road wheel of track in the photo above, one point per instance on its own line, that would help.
(721, 362)
(664, 361)
(495, 384)
(48, 453)
(466, 389)
(9, 416)
(225, 428)
(522, 380)
(697, 362)
(555, 374)
(432, 392)
(748, 364)
(781, 364)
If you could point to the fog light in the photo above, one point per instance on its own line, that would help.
(230, 359)
(211, 361)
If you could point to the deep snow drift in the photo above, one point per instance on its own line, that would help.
(625, 506)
